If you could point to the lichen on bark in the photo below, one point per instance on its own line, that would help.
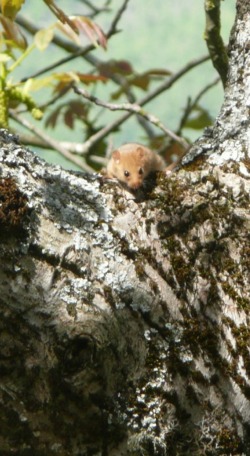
(129, 317)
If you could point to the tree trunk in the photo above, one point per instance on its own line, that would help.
(125, 322)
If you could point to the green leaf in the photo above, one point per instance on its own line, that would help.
(33, 84)
(10, 8)
(4, 58)
(43, 38)
(199, 120)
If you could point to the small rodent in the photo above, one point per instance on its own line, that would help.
(132, 163)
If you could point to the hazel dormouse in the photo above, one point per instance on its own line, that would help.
(132, 163)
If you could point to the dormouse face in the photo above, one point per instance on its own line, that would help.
(129, 167)
(133, 178)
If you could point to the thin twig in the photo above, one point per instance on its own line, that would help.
(113, 27)
(51, 142)
(161, 88)
(192, 104)
(74, 148)
(134, 109)
(95, 11)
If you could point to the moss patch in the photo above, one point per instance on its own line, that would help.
(13, 209)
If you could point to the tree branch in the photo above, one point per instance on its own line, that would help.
(94, 9)
(214, 40)
(134, 109)
(72, 147)
(161, 88)
(51, 142)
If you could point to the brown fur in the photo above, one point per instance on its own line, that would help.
(132, 163)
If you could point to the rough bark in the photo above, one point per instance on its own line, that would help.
(125, 322)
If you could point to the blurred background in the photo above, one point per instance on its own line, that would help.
(160, 35)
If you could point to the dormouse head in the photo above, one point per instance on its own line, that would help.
(130, 166)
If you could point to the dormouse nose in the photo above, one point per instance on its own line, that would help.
(135, 185)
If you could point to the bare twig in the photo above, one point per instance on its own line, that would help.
(113, 27)
(161, 88)
(94, 9)
(74, 148)
(51, 142)
(191, 104)
(38, 141)
(134, 109)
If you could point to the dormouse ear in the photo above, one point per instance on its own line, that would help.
(116, 155)
(140, 151)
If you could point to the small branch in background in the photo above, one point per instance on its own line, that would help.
(191, 104)
(113, 27)
(134, 109)
(216, 47)
(67, 46)
(72, 147)
(161, 88)
(94, 9)
(38, 141)
(70, 47)
(51, 142)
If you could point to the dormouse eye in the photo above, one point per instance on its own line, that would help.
(126, 173)
(140, 171)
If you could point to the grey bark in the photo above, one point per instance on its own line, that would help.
(125, 322)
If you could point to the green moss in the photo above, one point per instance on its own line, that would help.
(229, 290)
(13, 209)
(192, 395)
(213, 294)
(199, 378)
(229, 442)
(108, 295)
(172, 243)
(243, 303)
(198, 336)
(171, 194)
(139, 268)
(242, 336)
(71, 309)
(245, 257)
(196, 164)
(184, 272)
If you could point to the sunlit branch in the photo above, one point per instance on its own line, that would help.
(51, 142)
(161, 88)
(216, 47)
(72, 147)
(134, 109)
